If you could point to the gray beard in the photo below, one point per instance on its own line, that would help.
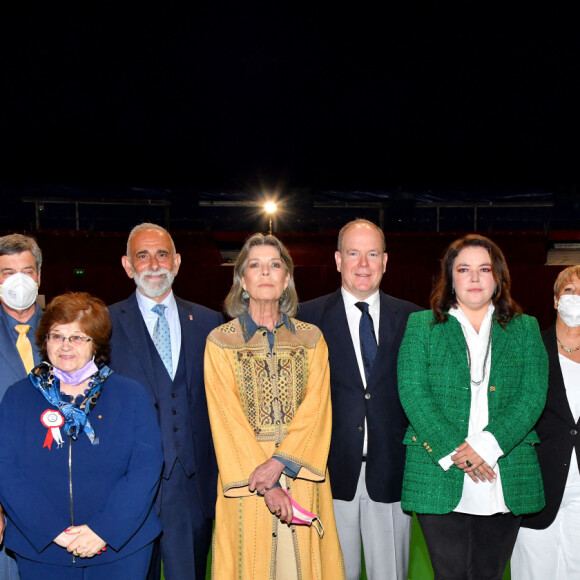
(154, 290)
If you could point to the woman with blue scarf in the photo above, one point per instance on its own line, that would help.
(81, 457)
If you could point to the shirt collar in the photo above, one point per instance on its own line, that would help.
(249, 327)
(146, 304)
(32, 321)
(461, 317)
(350, 300)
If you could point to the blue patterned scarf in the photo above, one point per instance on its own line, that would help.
(75, 417)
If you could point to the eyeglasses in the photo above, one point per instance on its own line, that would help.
(56, 338)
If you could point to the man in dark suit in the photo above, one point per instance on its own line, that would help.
(20, 262)
(159, 340)
(364, 328)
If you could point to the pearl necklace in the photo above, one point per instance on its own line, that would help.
(567, 349)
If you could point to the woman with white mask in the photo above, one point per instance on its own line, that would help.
(547, 544)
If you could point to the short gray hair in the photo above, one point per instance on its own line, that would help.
(142, 228)
(17, 243)
(359, 222)
(234, 303)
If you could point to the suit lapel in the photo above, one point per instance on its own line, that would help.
(136, 332)
(391, 325)
(189, 337)
(499, 343)
(336, 331)
(557, 392)
(456, 346)
(8, 350)
(390, 322)
(12, 359)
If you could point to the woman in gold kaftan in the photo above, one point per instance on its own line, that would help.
(268, 392)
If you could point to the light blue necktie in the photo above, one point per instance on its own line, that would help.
(368, 339)
(161, 337)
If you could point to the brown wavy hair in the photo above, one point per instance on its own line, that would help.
(443, 297)
(89, 311)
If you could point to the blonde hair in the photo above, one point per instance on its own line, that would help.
(564, 277)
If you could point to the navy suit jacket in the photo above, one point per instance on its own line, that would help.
(351, 403)
(130, 356)
(11, 366)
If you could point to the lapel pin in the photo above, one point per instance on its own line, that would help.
(191, 317)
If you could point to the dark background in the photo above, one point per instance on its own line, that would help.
(398, 106)
(381, 110)
(216, 96)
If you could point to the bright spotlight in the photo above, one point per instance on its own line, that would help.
(270, 208)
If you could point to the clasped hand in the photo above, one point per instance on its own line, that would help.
(279, 504)
(80, 541)
(473, 464)
(265, 475)
(262, 479)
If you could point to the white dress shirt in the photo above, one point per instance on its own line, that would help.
(482, 498)
(353, 315)
(172, 316)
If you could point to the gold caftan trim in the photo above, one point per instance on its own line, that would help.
(263, 404)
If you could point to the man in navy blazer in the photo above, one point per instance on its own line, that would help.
(18, 255)
(367, 456)
(177, 329)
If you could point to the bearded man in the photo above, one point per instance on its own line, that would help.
(159, 340)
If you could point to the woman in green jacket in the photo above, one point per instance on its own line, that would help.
(473, 375)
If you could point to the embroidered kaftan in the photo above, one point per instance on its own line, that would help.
(264, 402)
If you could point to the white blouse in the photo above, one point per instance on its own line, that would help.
(571, 376)
(482, 498)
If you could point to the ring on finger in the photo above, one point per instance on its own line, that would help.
(468, 463)
(476, 471)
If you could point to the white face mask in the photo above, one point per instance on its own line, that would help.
(19, 291)
(569, 309)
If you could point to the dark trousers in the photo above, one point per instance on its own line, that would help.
(184, 544)
(467, 547)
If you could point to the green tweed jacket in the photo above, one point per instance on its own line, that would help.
(434, 386)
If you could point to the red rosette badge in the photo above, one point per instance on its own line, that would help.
(53, 421)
